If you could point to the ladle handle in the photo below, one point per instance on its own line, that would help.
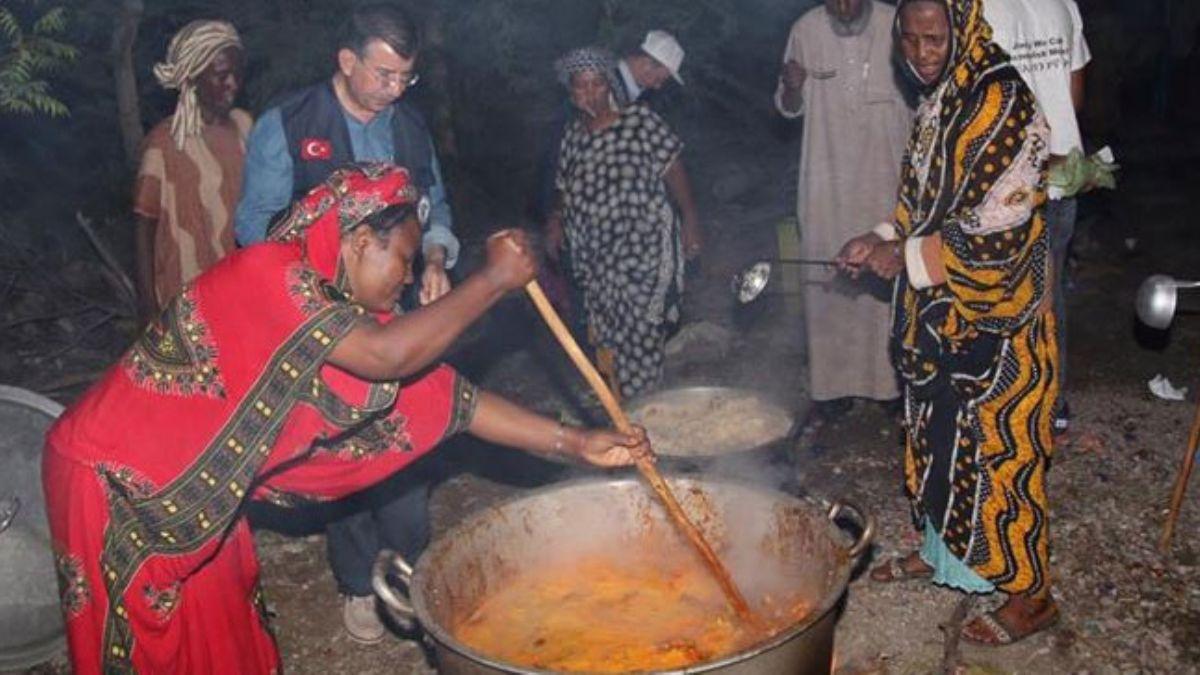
(805, 261)
(401, 610)
(646, 467)
(867, 523)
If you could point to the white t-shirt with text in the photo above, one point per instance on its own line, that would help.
(1044, 39)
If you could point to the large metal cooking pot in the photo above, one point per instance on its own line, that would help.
(31, 627)
(480, 555)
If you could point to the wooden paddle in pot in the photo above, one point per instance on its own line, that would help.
(645, 466)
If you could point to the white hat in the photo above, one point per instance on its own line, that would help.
(666, 50)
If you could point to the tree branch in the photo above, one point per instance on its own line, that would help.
(81, 336)
(951, 654)
(119, 279)
(129, 116)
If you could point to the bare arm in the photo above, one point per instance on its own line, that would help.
(1077, 90)
(791, 84)
(554, 233)
(681, 192)
(144, 245)
(503, 422)
(434, 281)
(411, 342)
(500, 421)
(435, 254)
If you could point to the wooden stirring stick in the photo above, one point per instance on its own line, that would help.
(645, 466)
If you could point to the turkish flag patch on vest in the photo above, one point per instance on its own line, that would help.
(313, 149)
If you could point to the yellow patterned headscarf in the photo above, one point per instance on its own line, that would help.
(192, 50)
(969, 34)
(974, 64)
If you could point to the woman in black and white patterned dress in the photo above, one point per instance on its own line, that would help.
(617, 172)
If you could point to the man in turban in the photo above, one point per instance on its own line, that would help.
(190, 176)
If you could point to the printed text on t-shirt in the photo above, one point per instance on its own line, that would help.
(1035, 56)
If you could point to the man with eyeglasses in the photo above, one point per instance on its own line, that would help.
(358, 115)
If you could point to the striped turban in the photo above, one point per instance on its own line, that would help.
(191, 51)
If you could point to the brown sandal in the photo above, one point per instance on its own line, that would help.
(1002, 633)
(896, 569)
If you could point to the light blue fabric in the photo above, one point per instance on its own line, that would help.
(947, 569)
(267, 178)
(371, 141)
(440, 229)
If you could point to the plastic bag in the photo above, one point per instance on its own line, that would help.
(1078, 174)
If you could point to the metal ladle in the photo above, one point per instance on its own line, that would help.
(1156, 308)
(1156, 304)
(1156, 299)
(752, 281)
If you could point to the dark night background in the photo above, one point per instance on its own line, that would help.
(489, 87)
(489, 91)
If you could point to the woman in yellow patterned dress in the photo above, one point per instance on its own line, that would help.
(972, 335)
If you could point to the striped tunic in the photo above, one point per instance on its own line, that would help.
(191, 194)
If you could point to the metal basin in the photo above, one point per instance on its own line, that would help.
(716, 430)
(31, 627)
(477, 558)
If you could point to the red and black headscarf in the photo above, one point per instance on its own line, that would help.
(337, 206)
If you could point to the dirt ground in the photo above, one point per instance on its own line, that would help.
(1126, 608)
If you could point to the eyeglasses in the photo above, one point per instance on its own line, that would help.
(390, 78)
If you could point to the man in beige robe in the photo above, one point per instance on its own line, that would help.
(838, 75)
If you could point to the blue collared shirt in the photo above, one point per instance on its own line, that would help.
(267, 178)
(632, 89)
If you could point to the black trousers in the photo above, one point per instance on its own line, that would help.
(392, 515)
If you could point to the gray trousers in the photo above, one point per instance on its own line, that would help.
(1060, 223)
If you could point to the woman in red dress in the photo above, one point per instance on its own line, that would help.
(280, 373)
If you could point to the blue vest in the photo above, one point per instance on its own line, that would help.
(314, 113)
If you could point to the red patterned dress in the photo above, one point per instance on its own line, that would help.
(227, 397)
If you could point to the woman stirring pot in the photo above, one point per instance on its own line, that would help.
(279, 373)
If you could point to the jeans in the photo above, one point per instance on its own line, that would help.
(1060, 223)
(393, 514)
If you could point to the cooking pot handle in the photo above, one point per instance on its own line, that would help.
(866, 522)
(390, 562)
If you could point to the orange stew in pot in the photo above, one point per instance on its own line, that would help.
(612, 613)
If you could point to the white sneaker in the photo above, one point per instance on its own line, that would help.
(361, 618)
